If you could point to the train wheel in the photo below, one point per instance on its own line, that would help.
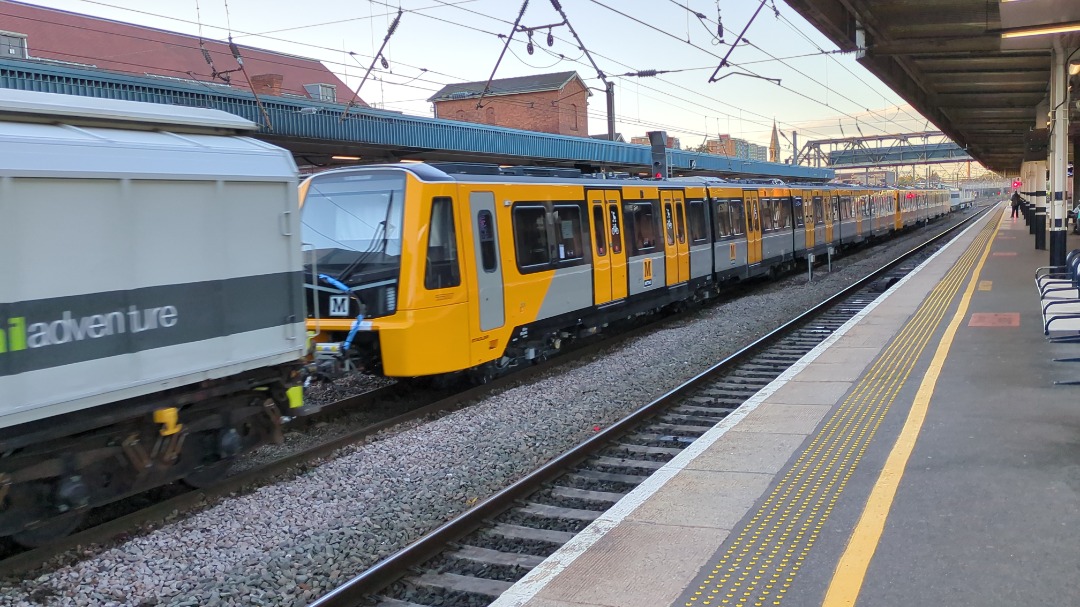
(51, 530)
(208, 475)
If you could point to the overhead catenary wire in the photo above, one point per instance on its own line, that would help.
(389, 32)
(680, 87)
(710, 110)
(513, 28)
(668, 34)
(240, 61)
(426, 70)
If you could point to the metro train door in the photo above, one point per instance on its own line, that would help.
(671, 252)
(682, 242)
(489, 279)
(807, 210)
(836, 221)
(609, 258)
(753, 227)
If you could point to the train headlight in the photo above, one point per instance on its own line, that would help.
(391, 299)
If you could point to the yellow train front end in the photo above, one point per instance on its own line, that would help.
(385, 283)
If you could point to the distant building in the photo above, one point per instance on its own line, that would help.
(54, 36)
(604, 137)
(742, 148)
(673, 143)
(758, 152)
(870, 178)
(721, 146)
(548, 103)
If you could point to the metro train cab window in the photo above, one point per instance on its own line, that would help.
(442, 269)
(599, 230)
(738, 217)
(568, 240)
(531, 236)
(641, 222)
(698, 218)
(485, 231)
(669, 224)
(819, 211)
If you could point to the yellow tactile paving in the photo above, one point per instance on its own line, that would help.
(761, 562)
(850, 572)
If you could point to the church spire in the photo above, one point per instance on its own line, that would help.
(774, 145)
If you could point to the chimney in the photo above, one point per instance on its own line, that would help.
(267, 84)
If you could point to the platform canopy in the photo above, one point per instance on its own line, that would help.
(978, 69)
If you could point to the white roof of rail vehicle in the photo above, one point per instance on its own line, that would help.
(32, 104)
(65, 136)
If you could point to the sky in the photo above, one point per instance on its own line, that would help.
(822, 93)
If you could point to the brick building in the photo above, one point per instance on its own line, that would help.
(723, 145)
(44, 34)
(548, 103)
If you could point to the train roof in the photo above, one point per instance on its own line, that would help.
(53, 108)
(464, 172)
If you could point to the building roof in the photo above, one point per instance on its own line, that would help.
(508, 86)
(73, 38)
(604, 137)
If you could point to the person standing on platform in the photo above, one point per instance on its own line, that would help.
(1015, 204)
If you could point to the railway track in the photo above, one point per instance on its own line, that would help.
(417, 405)
(477, 556)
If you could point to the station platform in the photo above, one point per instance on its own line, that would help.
(920, 456)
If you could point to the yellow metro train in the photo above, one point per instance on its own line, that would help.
(428, 269)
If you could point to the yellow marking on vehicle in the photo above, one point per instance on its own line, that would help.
(850, 572)
(986, 285)
(168, 418)
(760, 564)
(646, 269)
(295, 395)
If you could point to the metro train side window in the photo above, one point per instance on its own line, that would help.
(616, 230)
(531, 236)
(797, 209)
(680, 222)
(819, 211)
(599, 230)
(568, 240)
(766, 214)
(485, 228)
(669, 224)
(642, 225)
(442, 269)
(698, 219)
(723, 220)
(738, 217)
